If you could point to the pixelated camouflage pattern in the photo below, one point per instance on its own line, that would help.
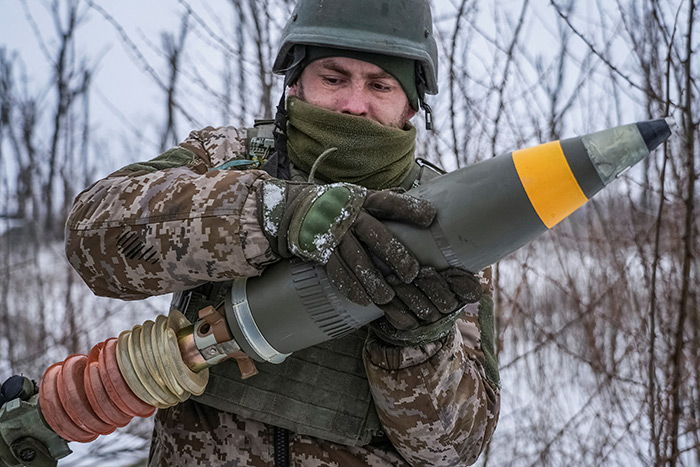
(193, 434)
(216, 146)
(434, 400)
(140, 232)
(174, 223)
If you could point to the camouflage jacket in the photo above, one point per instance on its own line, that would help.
(174, 223)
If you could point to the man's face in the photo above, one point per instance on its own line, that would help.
(354, 87)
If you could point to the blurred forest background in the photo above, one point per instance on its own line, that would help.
(598, 321)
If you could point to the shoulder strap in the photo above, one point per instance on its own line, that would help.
(278, 164)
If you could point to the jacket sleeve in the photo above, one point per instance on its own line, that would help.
(171, 223)
(439, 402)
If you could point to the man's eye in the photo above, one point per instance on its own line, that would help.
(331, 80)
(381, 87)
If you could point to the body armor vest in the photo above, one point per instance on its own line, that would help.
(321, 391)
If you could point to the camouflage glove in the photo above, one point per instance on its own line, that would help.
(25, 438)
(338, 225)
(426, 309)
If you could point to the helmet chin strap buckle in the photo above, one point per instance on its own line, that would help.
(428, 114)
(421, 87)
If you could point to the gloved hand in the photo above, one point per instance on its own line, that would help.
(23, 431)
(426, 309)
(16, 387)
(338, 225)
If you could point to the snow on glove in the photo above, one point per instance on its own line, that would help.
(338, 225)
(426, 309)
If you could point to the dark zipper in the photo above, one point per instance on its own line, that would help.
(281, 447)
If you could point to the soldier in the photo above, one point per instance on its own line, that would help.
(419, 386)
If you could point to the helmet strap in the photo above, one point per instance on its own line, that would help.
(277, 164)
(421, 87)
(428, 114)
(293, 71)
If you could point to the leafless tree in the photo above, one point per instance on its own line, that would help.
(173, 52)
(598, 323)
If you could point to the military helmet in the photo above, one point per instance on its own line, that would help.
(401, 28)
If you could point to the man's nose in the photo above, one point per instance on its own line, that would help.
(356, 101)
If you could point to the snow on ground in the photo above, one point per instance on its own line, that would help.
(555, 408)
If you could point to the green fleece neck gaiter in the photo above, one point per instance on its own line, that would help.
(368, 154)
